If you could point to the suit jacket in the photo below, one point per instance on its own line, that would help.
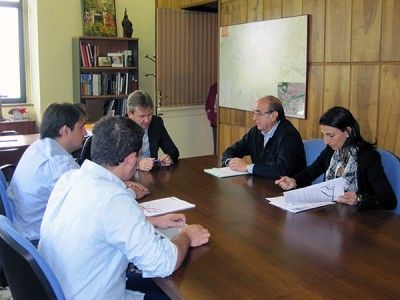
(159, 138)
(373, 184)
(283, 155)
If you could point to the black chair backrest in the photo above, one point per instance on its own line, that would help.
(85, 153)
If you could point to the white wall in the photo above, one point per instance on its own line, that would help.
(189, 128)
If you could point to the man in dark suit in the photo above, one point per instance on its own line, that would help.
(140, 109)
(274, 144)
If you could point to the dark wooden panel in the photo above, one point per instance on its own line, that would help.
(336, 86)
(316, 46)
(239, 12)
(238, 117)
(291, 8)
(272, 9)
(364, 98)
(391, 31)
(389, 109)
(366, 30)
(255, 10)
(338, 30)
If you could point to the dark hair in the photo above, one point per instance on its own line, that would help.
(57, 115)
(341, 118)
(114, 138)
(276, 105)
(139, 98)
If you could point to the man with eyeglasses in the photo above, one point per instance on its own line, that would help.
(274, 144)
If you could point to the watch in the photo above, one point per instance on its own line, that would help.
(359, 198)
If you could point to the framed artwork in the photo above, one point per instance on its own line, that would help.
(104, 61)
(98, 18)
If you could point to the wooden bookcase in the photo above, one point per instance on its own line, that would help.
(98, 87)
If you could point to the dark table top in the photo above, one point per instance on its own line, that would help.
(260, 251)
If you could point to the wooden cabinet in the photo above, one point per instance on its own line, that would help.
(22, 127)
(105, 73)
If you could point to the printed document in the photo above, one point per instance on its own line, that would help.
(164, 205)
(224, 172)
(317, 195)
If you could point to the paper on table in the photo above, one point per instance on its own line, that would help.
(281, 203)
(324, 193)
(224, 172)
(164, 206)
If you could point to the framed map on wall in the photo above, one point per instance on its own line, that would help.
(98, 18)
(264, 58)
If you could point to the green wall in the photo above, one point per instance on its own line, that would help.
(50, 70)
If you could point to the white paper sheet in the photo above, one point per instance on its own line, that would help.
(281, 203)
(324, 193)
(224, 172)
(164, 206)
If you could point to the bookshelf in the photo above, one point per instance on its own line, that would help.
(103, 88)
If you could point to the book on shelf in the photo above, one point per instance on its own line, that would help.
(95, 84)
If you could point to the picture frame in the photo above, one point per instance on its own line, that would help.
(98, 18)
(117, 59)
(104, 61)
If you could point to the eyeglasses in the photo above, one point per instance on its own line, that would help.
(258, 114)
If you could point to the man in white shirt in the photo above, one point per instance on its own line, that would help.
(62, 131)
(93, 227)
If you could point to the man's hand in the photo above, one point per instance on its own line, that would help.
(169, 220)
(238, 164)
(197, 234)
(166, 160)
(140, 190)
(146, 164)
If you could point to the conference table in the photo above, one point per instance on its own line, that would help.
(259, 251)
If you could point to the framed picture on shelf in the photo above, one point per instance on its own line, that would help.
(117, 59)
(98, 18)
(104, 61)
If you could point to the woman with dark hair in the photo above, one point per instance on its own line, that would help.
(349, 156)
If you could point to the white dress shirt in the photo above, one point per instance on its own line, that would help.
(34, 178)
(92, 228)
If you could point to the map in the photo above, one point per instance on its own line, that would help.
(259, 58)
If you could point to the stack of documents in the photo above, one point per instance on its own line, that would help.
(317, 195)
(163, 206)
(224, 172)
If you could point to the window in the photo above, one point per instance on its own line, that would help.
(12, 71)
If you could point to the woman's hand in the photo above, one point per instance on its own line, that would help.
(349, 198)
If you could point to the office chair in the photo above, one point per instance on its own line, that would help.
(5, 204)
(313, 148)
(391, 166)
(85, 152)
(27, 273)
(6, 174)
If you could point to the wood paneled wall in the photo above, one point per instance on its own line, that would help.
(353, 61)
